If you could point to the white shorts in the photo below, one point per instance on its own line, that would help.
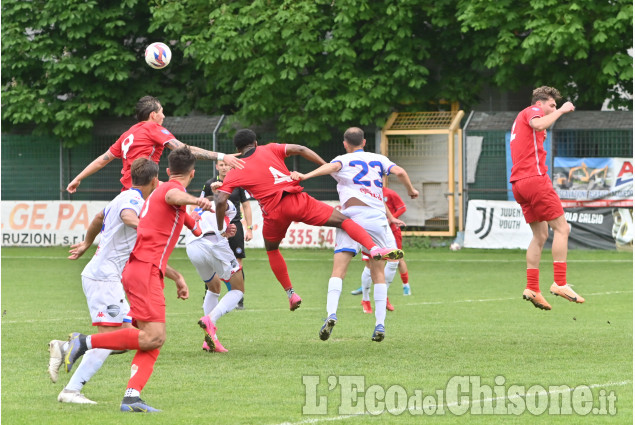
(210, 258)
(373, 221)
(106, 302)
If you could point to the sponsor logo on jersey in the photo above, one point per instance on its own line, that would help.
(535, 109)
(164, 131)
(113, 310)
(134, 202)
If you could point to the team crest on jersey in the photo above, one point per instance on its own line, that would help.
(134, 202)
(164, 131)
(535, 109)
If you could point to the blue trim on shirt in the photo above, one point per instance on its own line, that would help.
(390, 168)
(352, 251)
(138, 190)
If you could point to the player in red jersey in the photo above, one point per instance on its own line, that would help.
(160, 224)
(282, 201)
(534, 192)
(146, 139)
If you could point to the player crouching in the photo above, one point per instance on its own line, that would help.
(214, 259)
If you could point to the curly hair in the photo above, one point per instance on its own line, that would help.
(545, 93)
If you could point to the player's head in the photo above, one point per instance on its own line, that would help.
(143, 171)
(545, 98)
(244, 138)
(181, 163)
(149, 109)
(354, 137)
(222, 167)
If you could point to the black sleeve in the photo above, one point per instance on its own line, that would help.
(207, 187)
(243, 196)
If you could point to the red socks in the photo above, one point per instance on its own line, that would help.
(404, 277)
(279, 268)
(533, 276)
(123, 339)
(560, 272)
(141, 369)
(358, 233)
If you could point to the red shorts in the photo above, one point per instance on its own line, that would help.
(294, 207)
(143, 283)
(396, 231)
(537, 197)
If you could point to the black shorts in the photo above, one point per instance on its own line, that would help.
(237, 242)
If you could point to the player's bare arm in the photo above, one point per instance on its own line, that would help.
(129, 218)
(182, 290)
(220, 202)
(305, 153)
(78, 249)
(97, 164)
(230, 159)
(543, 123)
(248, 221)
(405, 180)
(179, 197)
(330, 168)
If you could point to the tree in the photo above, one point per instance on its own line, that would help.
(314, 66)
(67, 63)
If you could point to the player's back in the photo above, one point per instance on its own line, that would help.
(116, 240)
(361, 177)
(145, 139)
(265, 176)
(159, 226)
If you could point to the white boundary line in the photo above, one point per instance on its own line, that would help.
(485, 400)
(290, 260)
(81, 314)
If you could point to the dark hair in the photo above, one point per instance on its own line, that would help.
(545, 93)
(143, 170)
(244, 138)
(181, 160)
(354, 136)
(145, 106)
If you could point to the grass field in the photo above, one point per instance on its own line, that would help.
(465, 317)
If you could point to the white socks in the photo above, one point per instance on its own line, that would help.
(226, 304)
(390, 269)
(210, 301)
(333, 295)
(91, 363)
(380, 292)
(367, 281)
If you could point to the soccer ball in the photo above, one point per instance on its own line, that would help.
(158, 55)
(455, 246)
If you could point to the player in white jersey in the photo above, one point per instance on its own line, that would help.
(359, 185)
(214, 260)
(101, 278)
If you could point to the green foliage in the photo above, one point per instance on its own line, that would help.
(314, 65)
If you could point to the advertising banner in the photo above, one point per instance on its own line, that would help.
(496, 224)
(594, 182)
(55, 223)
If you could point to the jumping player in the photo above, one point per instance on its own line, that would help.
(282, 201)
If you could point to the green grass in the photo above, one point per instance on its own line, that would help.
(466, 317)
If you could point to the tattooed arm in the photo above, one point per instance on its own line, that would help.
(199, 153)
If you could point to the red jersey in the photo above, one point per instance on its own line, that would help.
(265, 176)
(159, 227)
(528, 153)
(394, 202)
(143, 140)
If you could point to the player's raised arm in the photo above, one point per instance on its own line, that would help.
(97, 164)
(230, 159)
(305, 153)
(330, 168)
(220, 203)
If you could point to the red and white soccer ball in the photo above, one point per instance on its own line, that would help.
(158, 55)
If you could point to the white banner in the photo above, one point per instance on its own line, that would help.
(496, 224)
(50, 223)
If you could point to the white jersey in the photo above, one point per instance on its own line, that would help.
(208, 222)
(361, 177)
(117, 239)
